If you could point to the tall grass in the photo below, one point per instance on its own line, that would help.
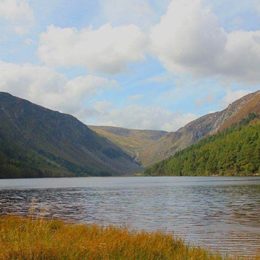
(27, 238)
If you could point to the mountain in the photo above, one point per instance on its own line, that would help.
(202, 127)
(133, 142)
(38, 142)
(233, 151)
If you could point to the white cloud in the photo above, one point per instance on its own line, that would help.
(135, 12)
(240, 59)
(187, 35)
(189, 39)
(18, 14)
(53, 90)
(48, 88)
(140, 117)
(106, 49)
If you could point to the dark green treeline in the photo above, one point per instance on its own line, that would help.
(235, 151)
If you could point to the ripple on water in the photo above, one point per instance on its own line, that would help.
(218, 213)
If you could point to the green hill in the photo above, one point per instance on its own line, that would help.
(38, 142)
(133, 142)
(234, 151)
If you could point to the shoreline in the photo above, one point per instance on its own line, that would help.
(40, 238)
(136, 176)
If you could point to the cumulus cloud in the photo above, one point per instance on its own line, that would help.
(140, 117)
(106, 49)
(189, 39)
(48, 88)
(18, 14)
(53, 90)
(187, 35)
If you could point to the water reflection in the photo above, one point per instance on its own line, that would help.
(219, 213)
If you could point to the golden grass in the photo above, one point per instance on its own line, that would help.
(27, 238)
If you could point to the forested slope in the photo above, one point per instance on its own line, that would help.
(235, 151)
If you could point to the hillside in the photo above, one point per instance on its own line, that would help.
(202, 127)
(149, 147)
(38, 142)
(234, 151)
(133, 142)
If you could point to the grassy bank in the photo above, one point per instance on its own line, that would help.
(25, 238)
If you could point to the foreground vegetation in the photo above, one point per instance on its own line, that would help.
(27, 238)
(235, 151)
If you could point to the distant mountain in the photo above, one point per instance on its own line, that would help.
(38, 142)
(149, 147)
(200, 128)
(233, 151)
(133, 142)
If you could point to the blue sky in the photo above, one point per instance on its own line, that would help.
(151, 64)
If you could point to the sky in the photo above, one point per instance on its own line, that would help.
(150, 64)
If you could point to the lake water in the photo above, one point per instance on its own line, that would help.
(220, 213)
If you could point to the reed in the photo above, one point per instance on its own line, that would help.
(28, 238)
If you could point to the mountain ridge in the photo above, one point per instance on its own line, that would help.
(209, 124)
(43, 142)
(56, 142)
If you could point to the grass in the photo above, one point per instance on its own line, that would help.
(27, 238)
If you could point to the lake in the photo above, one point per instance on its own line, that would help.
(220, 213)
